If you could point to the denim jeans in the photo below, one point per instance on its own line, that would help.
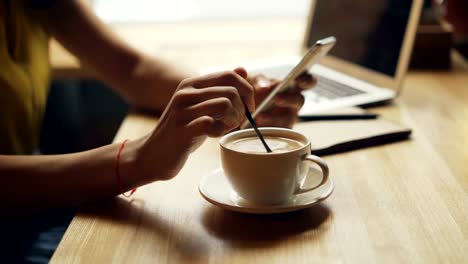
(33, 238)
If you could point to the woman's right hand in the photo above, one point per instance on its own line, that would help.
(209, 105)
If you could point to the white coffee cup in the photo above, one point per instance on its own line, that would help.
(269, 178)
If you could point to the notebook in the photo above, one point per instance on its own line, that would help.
(330, 137)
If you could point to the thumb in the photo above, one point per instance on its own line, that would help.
(241, 71)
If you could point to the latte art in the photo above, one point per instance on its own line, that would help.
(254, 145)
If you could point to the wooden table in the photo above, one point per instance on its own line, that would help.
(399, 203)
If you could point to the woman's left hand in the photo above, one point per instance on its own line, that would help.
(286, 105)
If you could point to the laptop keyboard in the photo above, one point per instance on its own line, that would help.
(327, 90)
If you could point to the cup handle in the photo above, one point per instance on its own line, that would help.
(323, 166)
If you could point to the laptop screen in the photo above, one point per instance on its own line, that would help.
(368, 33)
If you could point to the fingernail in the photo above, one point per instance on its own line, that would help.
(259, 119)
(279, 100)
(305, 84)
(263, 82)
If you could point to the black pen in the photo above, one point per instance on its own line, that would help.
(338, 117)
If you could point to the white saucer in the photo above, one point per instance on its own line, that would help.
(216, 189)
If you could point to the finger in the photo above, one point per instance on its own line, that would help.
(262, 92)
(305, 75)
(294, 101)
(205, 126)
(228, 78)
(241, 71)
(260, 81)
(192, 96)
(305, 81)
(277, 118)
(220, 109)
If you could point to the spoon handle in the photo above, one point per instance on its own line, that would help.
(254, 125)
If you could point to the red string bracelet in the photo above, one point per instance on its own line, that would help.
(117, 171)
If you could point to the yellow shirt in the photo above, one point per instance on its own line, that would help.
(24, 77)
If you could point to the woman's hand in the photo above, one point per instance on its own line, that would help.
(286, 105)
(211, 105)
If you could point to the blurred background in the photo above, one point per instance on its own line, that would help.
(195, 10)
(83, 113)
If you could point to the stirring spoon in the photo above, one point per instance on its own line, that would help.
(254, 125)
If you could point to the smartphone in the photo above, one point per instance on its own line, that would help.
(313, 55)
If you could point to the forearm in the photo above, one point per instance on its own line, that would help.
(152, 84)
(40, 182)
(124, 68)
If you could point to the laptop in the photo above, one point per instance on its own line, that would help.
(371, 56)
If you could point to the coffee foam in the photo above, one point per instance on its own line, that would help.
(254, 145)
